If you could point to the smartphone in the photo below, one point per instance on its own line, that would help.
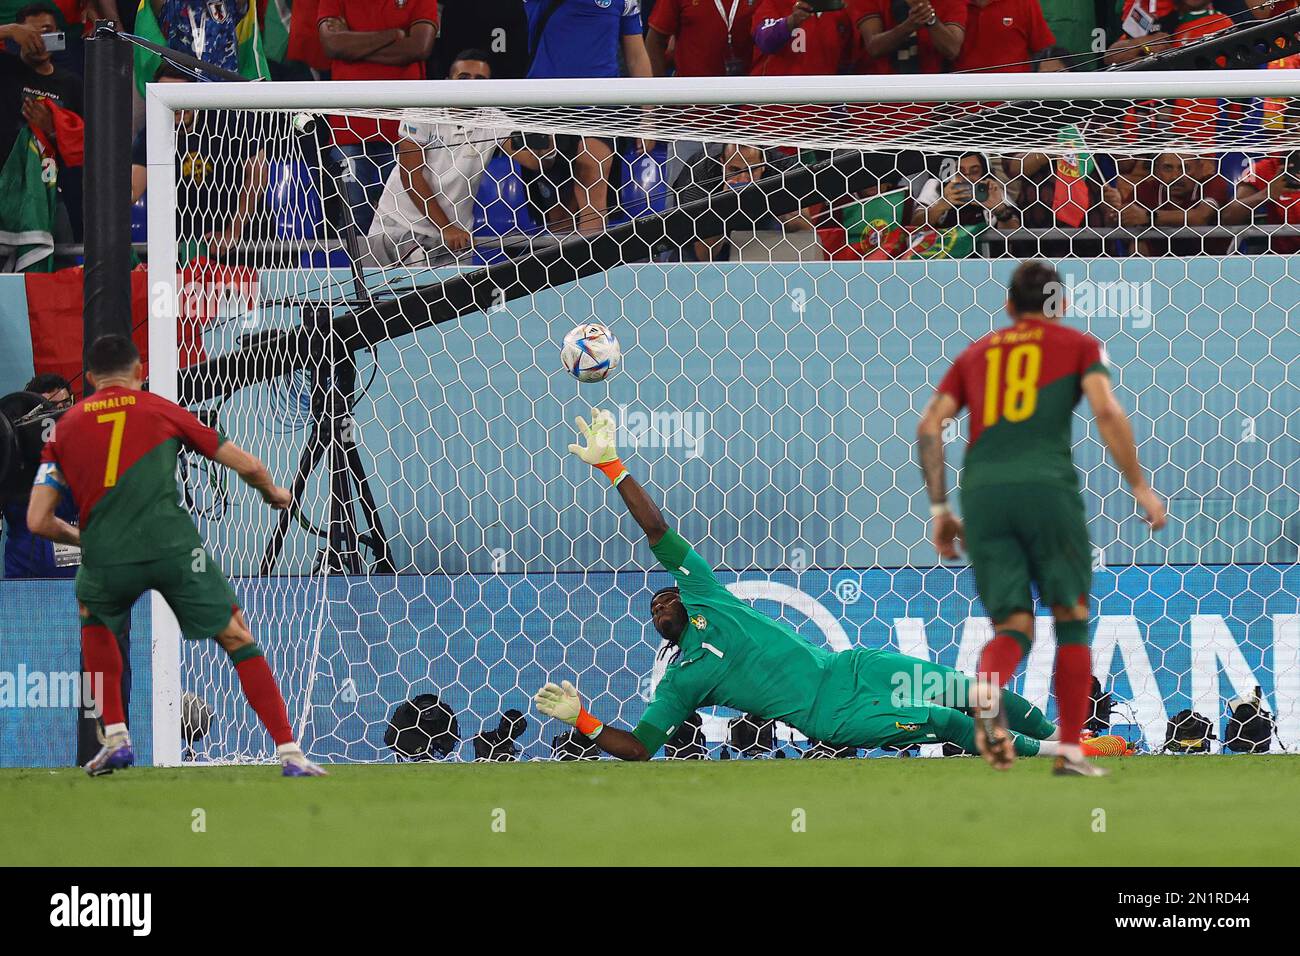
(981, 191)
(55, 42)
(825, 6)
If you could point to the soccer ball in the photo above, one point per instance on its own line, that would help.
(591, 352)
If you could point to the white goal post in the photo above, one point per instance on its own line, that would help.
(767, 397)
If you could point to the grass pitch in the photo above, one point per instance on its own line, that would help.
(1156, 811)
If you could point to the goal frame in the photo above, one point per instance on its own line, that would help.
(164, 100)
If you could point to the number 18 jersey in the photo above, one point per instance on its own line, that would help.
(1021, 385)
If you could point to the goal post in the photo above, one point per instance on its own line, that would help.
(789, 263)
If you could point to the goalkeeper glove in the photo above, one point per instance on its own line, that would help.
(562, 702)
(600, 451)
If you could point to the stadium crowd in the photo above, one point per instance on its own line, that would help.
(420, 193)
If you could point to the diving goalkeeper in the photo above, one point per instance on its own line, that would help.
(731, 655)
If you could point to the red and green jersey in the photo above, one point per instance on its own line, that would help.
(1021, 385)
(116, 452)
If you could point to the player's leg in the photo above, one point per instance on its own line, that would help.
(917, 681)
(905, 726)
(1062, 567)
(206, 606)
(1002, 578)
(955, 727)
(104, 599)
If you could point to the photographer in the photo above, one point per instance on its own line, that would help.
(28, 555)
(971, 196)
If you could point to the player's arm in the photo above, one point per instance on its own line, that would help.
(254, 474)
(946, 527)
(600, 452)
(1117, 432)
(562, 702)
(41, 518)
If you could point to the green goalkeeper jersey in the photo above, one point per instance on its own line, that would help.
(731, 656)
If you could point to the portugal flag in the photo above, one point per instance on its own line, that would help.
(1070, 199)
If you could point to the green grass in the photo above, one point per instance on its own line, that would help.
(1158, 811)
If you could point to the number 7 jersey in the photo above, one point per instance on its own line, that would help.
(1021, 385)
(116, 453)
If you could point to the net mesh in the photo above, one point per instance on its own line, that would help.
(374, 304)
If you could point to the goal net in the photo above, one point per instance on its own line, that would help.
(367, 286)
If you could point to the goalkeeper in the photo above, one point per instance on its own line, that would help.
(731, 655)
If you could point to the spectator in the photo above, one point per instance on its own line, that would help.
(304, 37)
(709, 37)
(221, 174)
(224, 34)
(1272, 186)
(498, 27)
(928, 40)
(31, 78)
(1002, 36)
(1062, 192)
(28, 555)
(33, 91)
(372, 41)
(1075, 25)
(733, 167)
(427, 206)
(800, 42)
(1183, 191)
(969, 196)
(1187, 21)
(579, 38)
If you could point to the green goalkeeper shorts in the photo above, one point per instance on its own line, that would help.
(1024, 535)
(192, 585)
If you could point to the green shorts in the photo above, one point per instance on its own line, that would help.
(1018, 536)
(195, 589)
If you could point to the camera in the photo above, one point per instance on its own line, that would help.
(25, 419)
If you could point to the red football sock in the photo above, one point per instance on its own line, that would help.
(1000, 658)
(1073, 689)
(103, 660)
(259, 687)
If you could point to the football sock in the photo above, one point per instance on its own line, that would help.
(1002, 655)
(1073, 685)
(259, 688)
(103, 658)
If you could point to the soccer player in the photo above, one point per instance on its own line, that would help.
(116, 453)
(1024, 521)
(731, 655)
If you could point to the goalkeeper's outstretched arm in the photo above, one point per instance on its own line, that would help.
(562, 702)
(600, 452)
